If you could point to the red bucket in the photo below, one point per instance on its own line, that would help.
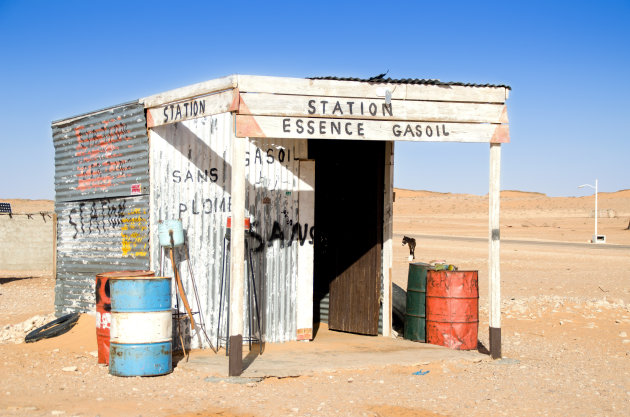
(453, 309)
(103, 308)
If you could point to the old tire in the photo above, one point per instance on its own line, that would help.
(54, 328)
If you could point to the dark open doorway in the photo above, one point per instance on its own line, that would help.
(349, 185)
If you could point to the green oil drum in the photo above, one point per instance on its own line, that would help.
(415, 313)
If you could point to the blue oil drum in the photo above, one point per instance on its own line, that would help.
(165, 227)
(141, 329)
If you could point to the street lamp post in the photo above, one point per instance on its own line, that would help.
(595, 188)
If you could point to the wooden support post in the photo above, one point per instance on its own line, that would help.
(388, 229)
(494, 265)
(305, 254)
(237, 255)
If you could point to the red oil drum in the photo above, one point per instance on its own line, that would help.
(103, 308)
(453, 309)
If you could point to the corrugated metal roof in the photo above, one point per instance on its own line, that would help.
(380, 79)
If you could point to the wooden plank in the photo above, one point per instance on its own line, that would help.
(388, 223)
(320, 128)
(300, 86)
(190, 109)
(494, 264)
(352, 108)
(237, 252)
(184, 93)
(305, 255)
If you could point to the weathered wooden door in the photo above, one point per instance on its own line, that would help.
(349, 215)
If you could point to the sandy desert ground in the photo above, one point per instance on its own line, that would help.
(565, 323)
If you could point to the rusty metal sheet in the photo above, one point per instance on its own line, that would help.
(190, 179)
(96, 236)
(103, 154)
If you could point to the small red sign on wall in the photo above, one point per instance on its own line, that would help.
(136, 189)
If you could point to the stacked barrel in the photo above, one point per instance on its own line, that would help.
(103, 309)
(141, 328)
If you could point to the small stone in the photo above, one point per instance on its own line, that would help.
(251, 384)
(55, 350)
(69, 369)
(57, 412)
(350, 379)
(561, 322)
(100, 399)
(381, 382)
(625, 341)
(94, 353)
(623, 334)
(295, 409)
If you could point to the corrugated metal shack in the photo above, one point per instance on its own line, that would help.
(314, 175)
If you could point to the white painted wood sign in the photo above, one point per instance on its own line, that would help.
(324, 128)
(190, 109)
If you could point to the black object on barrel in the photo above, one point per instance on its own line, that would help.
(415, 314)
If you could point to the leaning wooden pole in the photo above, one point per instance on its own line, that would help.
(237, 256)
(494, 264)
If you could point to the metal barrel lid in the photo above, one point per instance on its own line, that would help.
(114, 274)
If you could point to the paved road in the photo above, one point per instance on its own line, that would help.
(601, 246)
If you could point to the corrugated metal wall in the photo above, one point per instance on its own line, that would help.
(190, 177)
(95, 236)
(102, 155)
(101, 200)
(272, 200)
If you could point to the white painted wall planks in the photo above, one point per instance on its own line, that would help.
(306, 255)
(388, 230)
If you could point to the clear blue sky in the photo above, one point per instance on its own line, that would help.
(568, 64)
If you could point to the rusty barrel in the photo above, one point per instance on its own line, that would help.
(104, 307)
(415, 315)
(453, 309)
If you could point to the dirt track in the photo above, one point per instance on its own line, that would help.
(566, 327)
